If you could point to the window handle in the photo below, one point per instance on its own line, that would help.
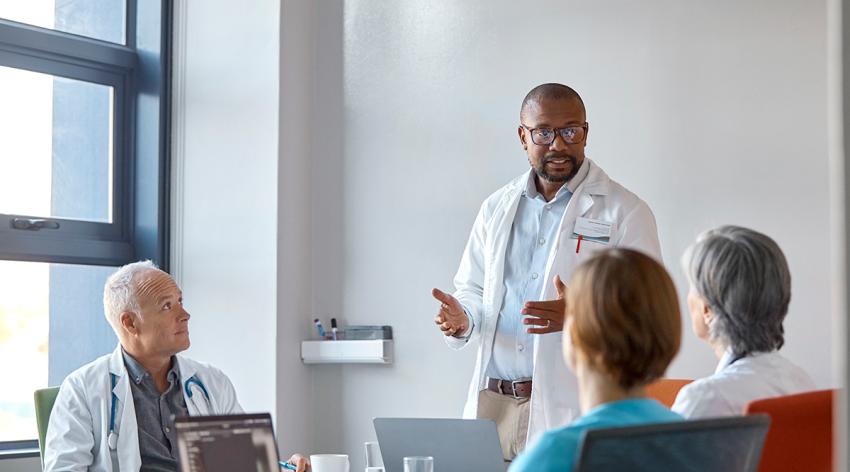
(33, 224)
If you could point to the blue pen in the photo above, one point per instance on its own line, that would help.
(287, 465)
(320, 328)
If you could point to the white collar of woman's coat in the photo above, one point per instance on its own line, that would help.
(729, 358)
(725, 361)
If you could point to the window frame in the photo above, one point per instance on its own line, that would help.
(140, 73)
(139, 70)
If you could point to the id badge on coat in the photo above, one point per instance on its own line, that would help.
(590, 229)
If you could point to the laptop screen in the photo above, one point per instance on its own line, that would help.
(456, 445)
(227, 443)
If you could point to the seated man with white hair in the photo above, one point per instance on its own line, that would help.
(117, 413)
(740, 288)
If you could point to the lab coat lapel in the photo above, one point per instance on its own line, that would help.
(562, 261)
(494, 290)
(125, 415)
(197, 403)
(501, 232)
(581, 208)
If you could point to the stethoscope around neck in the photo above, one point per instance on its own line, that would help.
(112, 439)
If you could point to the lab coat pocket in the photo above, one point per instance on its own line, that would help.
(584, 248)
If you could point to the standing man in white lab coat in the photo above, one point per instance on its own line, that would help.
(527, 237)
(117, 412)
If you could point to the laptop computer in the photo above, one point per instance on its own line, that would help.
(226, 443)
(456, 445)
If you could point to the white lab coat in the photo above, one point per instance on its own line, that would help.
(79, 423)
(480, 288)
(736, 383)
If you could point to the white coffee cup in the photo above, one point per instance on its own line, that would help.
(329, 462)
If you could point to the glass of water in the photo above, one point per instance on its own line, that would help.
(419, 464)
(373, 454)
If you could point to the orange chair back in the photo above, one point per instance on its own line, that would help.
(665, 390)
(800, 434)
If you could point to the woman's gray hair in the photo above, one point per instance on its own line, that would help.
(743, 277)
(119, 292)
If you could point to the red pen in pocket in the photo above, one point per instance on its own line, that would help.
(578, 244)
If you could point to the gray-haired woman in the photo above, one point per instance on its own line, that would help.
(740, 287)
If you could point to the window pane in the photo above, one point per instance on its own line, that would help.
(51, 322)
(99, 19)
(55, 146)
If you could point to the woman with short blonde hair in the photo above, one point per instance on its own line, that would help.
(622, 329)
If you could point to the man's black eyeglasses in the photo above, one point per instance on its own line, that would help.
(545, 136)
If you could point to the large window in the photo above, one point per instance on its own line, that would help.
(84, 108)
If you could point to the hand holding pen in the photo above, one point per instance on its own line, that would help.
(297, 463)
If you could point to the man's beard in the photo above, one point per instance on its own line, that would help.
(541, 169)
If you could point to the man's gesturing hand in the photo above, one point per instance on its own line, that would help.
(547, 316)
(451, 318)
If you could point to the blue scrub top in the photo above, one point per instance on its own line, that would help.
(557, 449)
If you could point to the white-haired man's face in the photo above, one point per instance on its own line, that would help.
(162, 326)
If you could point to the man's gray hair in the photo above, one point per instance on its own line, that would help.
(743, 277)
(119, 293)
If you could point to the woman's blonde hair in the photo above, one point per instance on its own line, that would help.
(625, 316)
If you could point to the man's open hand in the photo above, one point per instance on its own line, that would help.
(547, 316)
(451, 318)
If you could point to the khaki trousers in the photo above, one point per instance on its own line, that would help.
(511, 417)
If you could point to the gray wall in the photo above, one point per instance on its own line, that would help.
(25, 464)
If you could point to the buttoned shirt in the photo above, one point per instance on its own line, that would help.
(155, 414)
(533, 234)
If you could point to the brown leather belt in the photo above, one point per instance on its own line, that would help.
(517, 388)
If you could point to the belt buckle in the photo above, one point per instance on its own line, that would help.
(513, 384)
(513, 388)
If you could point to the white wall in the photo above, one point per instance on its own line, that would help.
(713, 112)
(241, 197)
(357, 183)
(330, 160)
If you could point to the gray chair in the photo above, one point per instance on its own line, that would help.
(731, 444)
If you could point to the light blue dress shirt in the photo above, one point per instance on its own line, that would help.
(557, 449)
(534, 231)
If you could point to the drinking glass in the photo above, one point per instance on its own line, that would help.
(419, 464)
(373, 454)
